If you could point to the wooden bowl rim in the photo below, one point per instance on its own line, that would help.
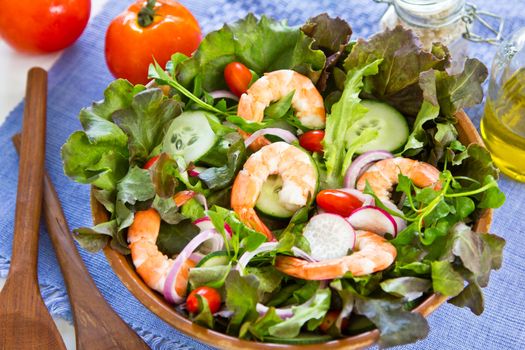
(156, 303)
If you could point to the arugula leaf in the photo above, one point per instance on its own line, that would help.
(308, 312)
(344, 113)
(262, 45)
(241, 299)
(145, 122)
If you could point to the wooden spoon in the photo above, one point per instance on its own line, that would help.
(97, 326)
(25, 322)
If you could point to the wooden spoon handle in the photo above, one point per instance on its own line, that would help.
(30, 178)
(96, 324)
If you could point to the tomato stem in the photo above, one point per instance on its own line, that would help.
(147, 13)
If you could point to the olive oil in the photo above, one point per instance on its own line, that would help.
(503, 130)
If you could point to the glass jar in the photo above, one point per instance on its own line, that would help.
(503, 123)
(447, 21)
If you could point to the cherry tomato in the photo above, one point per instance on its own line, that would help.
(337, 202)
(37, 26)
(210, 294)
(146, 31)
(312, 140)
(238, 77)
(150, 162)
(329, 319)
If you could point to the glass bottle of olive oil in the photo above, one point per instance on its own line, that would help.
(503, 124)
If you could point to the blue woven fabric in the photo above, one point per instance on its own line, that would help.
(79, 77)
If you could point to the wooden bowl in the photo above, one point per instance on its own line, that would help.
(155, 302)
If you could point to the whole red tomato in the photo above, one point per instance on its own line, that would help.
(149, 30)
(210, 294)
(37, 26)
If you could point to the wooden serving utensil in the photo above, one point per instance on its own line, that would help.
(25, 322)
(97, 326)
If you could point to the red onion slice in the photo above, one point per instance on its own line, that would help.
(223, 94)
(246, 257)
(356, 169)
(169, 286)
(205, 223)
(285, 135)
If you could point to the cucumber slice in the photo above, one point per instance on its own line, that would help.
(268, 201)
(218, 258)
(391, 125)
(189, 136)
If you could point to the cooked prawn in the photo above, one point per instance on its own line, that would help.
(296, 170)
(150, 263)
(383, 175)
(372, 253)
(307, 101)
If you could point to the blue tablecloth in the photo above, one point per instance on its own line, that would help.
(79, 77)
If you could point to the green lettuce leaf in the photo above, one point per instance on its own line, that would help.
(445, 279)
(262, 45)
(213, 276)
(95, 239)
(344, 113)
(145, 122)
(269, 278)
(409, 288)
(302, 314)
(168, 210)
(204, 317)
(260, 328)
(173, 238)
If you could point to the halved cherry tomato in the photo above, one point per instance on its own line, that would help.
(210, 294)
(312, 140)
(337, 202)
(238, 77)
(329, 319)
(150, 162)
(149, 30)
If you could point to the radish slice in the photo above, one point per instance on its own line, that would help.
(195, 171)
(357, 168)
(330, 236)
(373, 219)
(366, 199)
(401, 223)
(169, 291)
(205, 223)
(281, 133)
(223, 94)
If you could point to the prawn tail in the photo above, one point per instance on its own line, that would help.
(182, 197)
(256, 145)
(249, 217)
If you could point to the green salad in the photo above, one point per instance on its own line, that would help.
(291, 185)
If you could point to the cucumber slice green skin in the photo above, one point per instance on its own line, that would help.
(189, 136)
(218, 258)
(268, 202)
(391, 125)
